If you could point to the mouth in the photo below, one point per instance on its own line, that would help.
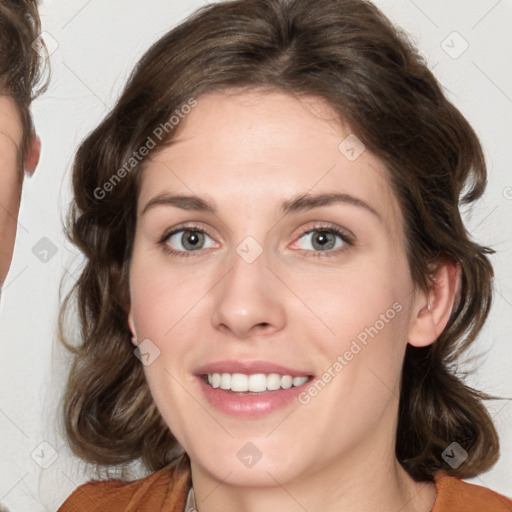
(254, 383)
(250, 389)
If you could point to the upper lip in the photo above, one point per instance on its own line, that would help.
(249, 367)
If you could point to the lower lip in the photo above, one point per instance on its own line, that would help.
(250, 406)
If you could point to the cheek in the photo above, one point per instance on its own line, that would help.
(353, 299)
(361, 359)
(161, 305)
(364, 313)
(162, 298)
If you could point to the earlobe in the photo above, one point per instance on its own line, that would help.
(432, 308)
(132, 327)
(33, 155)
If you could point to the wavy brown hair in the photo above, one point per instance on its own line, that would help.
(23, 62)
(349, 54)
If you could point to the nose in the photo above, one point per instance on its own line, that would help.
(249, 300)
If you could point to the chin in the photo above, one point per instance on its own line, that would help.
(253, 461)
(261, 474)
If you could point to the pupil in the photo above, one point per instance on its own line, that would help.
(322, 240)
(191, 239)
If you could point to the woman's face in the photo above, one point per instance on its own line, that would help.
(284, 257)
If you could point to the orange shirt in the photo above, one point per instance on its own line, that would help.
(166, 491)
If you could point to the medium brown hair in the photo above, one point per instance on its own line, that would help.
(349, 54)
(23, 62)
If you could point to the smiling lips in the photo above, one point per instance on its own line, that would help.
(250, 389)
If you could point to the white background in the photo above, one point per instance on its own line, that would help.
(95, 44)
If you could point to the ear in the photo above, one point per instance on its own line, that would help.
(432, 309)
(33, 155)
(132, 327)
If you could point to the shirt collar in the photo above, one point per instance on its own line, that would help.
(190, 506)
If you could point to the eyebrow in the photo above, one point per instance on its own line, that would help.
(296, 204)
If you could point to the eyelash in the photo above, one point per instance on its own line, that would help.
(347, 238)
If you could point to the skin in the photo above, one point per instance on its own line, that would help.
(247, 153)
(11, 135)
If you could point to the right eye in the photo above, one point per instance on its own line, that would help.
(186, 240)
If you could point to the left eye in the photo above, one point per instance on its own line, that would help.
(189, 239)
(322, 240)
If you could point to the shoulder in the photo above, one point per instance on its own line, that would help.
(163, 490)
(455, 495)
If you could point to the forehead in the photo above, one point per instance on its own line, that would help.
(262, 148)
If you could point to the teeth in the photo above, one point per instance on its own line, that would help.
(255, 383)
